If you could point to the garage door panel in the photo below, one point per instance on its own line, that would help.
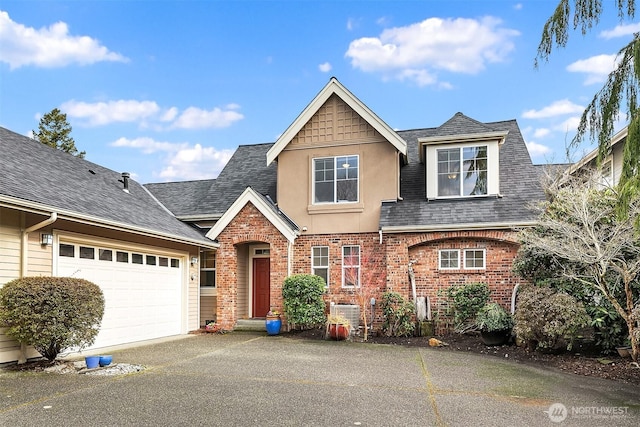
(141, 301)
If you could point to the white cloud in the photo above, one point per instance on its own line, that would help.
(195, 162)
(541, 132)
(537, 150)
(182, 161)
(325, 67)
(621, 31)
(569, 126)
(49, 47)
(597, 68)
(557, 108)
(145, 112)
(196, 118)
(147, 145)
(102, 113)
(455, 45)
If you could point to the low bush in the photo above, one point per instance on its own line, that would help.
(493, 317)
(465, 301)
(302, 300)
(53, 314)
(548, 320)
(397, 314)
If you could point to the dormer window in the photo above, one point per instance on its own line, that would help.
(462, 165)
(335, 179)
(462, 171)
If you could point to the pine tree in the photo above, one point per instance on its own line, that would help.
(55, 131)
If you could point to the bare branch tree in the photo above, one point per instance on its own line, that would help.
(592, 243)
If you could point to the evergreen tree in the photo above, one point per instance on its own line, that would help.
(55, 131)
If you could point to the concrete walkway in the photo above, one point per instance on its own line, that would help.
(251, 379)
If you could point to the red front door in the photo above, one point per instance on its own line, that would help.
(261, 274)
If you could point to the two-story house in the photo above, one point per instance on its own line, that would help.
(342, 195)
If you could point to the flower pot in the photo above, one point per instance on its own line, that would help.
(338, 332)
(624, 351)
(92, 361)
(105, 360)
(490, 338)
(273, 325)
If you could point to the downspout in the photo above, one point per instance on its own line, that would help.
(24, 264)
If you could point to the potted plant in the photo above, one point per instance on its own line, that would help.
(494, 323)
(338, 327)
(273, 322)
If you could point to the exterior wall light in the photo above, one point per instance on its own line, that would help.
(194, 260)
(46, 239)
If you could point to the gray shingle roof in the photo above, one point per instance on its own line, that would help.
(34, 173)
(519, 183)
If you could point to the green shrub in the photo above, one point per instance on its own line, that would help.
(546, 319)
(493, 317)
(302, 299)
(53, 314)
(466, 301)
(397, 314)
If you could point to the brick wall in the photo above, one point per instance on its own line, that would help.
(384, 266)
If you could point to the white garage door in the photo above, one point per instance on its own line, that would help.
(143, 289)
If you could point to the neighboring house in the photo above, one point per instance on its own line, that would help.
(342, 195)
(65, 216)
(610, 165)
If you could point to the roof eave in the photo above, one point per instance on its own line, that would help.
(39, 208)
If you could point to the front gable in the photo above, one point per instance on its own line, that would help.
(336, 120)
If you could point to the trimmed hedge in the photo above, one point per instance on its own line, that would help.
(302, 299)
(53, 314)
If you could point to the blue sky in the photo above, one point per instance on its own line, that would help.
(167, 90)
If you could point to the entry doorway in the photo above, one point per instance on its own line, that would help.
(261, 283)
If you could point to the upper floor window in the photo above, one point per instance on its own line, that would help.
(462, 171)
(335, 179)
(320, 262)
(208, 268)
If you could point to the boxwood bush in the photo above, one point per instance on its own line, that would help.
(53, 314)
(302, 300)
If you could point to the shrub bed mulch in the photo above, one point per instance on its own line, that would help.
(582, 361)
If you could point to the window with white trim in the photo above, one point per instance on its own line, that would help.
(208, 269)
(335, 179)
(350, 266)
(474, 259)
(449, 259)
(462, 171)
(320, 262)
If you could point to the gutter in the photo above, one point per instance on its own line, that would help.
(455, 227)
(20, 204)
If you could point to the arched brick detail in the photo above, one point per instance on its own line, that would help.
(501, 247)
(249, 226)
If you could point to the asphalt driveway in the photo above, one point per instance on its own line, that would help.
(244, 379)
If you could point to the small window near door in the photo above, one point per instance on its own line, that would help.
(262, 252)
(320, 262)
(87, 253)
(208, 269)
(175, 263)
(66, 250)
